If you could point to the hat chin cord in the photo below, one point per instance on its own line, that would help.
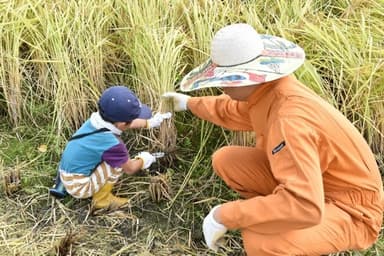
(239, 64)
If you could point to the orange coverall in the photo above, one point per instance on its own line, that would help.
(311, 184)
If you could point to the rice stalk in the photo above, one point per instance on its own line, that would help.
(155, 49)
(12, 31)
(66, 245)
(200, 155)
(349, 73)
(241, 138)
(159, 188)
(69, 52)
(200, 23)
(201, 26)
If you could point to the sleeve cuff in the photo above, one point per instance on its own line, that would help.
(229, 214)
(214, 222)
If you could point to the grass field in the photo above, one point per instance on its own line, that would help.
(56, 58)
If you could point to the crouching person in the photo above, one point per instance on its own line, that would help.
(95, 157)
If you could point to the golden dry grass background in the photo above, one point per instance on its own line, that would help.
(56, 58)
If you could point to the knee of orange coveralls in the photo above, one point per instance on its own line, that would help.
(244, 169)
(277, 245)
(262, 245)
(224, 165)
(221, 158)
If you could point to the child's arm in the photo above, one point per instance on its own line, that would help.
(143, 160)
(153, 122)
(132, 165)
(138, 123)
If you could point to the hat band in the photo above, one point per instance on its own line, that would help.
(242, 63)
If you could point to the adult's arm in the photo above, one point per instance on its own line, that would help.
(222, 110)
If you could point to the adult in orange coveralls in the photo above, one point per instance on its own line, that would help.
(311, 184)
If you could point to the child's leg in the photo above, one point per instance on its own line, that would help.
(81, 186)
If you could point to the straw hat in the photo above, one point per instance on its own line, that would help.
(241, 57)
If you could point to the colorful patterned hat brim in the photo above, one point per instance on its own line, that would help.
(279, 58)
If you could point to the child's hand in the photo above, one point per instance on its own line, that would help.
(157, 119)
(147, 158)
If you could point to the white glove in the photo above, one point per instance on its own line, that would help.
(157, 119)
(147, 158)
(179, 100)
(213, 230)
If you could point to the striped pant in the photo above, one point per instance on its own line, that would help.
(81, 186)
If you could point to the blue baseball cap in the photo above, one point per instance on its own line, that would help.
(120, 104)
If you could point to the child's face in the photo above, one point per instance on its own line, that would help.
(122, 126)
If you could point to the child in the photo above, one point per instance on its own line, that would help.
(95, 157)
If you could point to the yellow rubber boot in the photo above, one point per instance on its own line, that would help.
(104, 198)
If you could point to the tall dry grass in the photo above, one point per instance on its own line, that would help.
(75, 50)
(57, 57)
(12, 63)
